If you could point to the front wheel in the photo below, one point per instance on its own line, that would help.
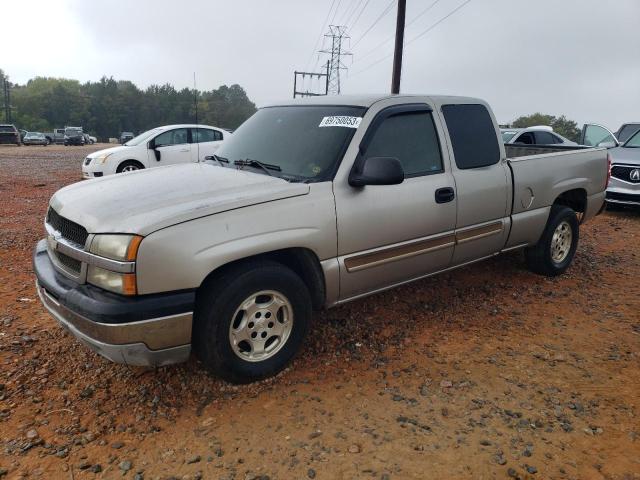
(251, 321)
(129, 166)
(555, 250)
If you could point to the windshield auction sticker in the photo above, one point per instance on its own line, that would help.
(341, 121)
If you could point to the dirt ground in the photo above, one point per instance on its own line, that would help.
(485, 372)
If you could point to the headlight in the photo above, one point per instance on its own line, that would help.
(122, 283)
(123, 248)
(120, 247)
(100, 159)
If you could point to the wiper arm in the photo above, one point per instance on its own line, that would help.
(218, 159)
(256, 163)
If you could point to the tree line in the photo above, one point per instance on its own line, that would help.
(108, 107)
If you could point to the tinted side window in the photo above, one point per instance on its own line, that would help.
(200, 135)
(544, 138)
(412, 139)
(626, 131)
(172, 137)
(473, 136)
(526, 138)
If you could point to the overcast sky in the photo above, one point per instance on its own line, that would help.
(580, 58)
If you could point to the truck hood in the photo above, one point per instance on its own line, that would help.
(144, 201)
(625, 155)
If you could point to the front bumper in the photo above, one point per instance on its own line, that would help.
(623, 192)
(149, 330)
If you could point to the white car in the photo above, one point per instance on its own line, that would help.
(160, 146)
(540, 135)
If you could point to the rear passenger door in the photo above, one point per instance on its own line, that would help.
(482, 181)
(388, 234)
(205, 141)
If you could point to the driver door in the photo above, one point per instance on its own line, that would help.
(173, 147)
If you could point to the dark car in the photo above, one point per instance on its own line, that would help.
(9, 134)
(35, 138)
(74, 136)
(125, 137)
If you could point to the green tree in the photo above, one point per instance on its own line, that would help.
(107, 107)
(562, 125)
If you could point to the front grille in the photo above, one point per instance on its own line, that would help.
(624, 172)
(623, 197)
(70, 263)
(87, 161)
(68, 229)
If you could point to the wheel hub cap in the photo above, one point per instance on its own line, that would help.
(561, 242)
(261, 326)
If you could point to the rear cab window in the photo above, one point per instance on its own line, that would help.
(473, 135)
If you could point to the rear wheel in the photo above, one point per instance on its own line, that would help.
(555, 250)
(129, 166)
(251, 321)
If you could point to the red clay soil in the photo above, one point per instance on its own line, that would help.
(485, 372)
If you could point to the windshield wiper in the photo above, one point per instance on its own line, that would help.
(256, 163)
(218, 159)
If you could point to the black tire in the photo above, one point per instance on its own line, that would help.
(220, 297)
(539, 257)
(129, 165)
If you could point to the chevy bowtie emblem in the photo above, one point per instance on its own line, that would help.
(634, 175)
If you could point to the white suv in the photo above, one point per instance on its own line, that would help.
(160, 146)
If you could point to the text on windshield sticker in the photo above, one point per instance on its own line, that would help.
(341, 121)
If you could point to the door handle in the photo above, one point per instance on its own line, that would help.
(184, 150)
(444, 195)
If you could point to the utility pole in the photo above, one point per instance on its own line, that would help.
(397, 53)
(7, 100)
(303, 90)
(337, 34)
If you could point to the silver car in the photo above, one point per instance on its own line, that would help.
(624, 186)
(540, 135)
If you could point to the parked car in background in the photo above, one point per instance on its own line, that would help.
(88, 139)
(624, 187)
(310, 204)
(125, 137)
(23, 132)
(55, 137)
(93, 139)
(74, 136)
(35, 138)
(157, 147)
(9, 134)
(626, 130)
(541, 135)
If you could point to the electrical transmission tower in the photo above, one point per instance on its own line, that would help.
(337, 36)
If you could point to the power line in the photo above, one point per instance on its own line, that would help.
(355, 22)
(384, 12)
(420, 35)
(347, 20)
(391, 37)
(315, 48)
(336, 12)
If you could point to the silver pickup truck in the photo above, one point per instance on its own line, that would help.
(311, 204)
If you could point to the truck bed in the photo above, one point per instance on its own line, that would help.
(542, 175)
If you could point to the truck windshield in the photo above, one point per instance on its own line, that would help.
(143, 137)
(305, 142)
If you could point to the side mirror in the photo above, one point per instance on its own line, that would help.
(610, 144)
(377, 171)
